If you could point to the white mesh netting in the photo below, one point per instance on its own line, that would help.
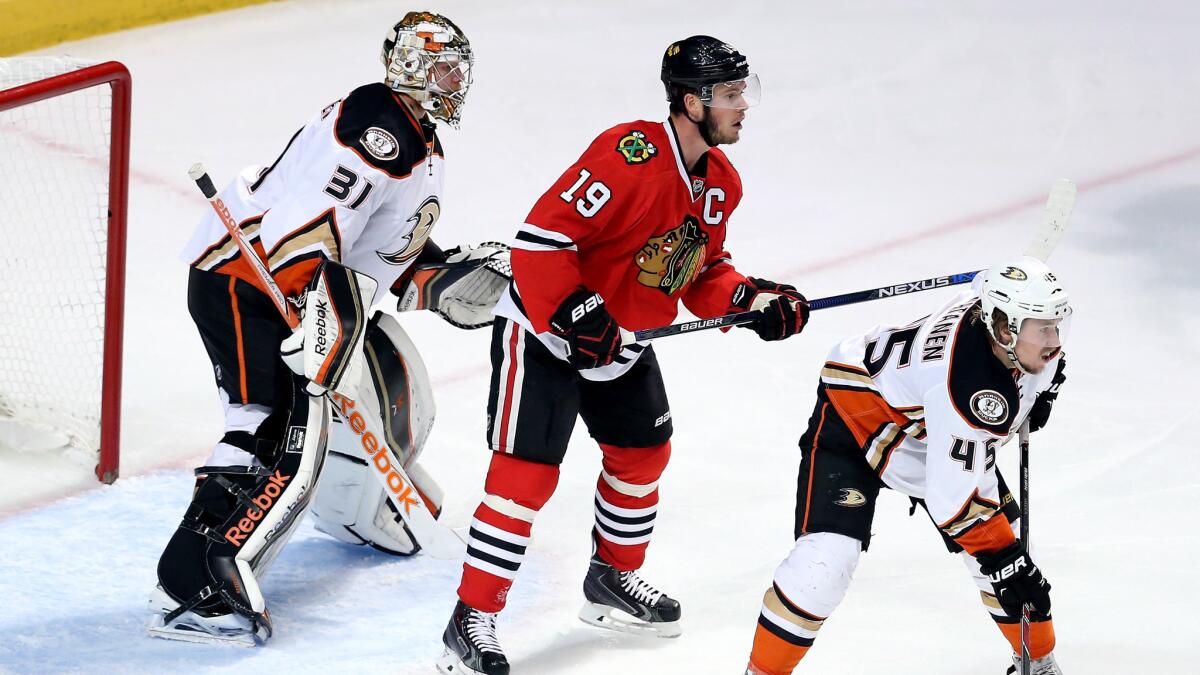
(54, 158)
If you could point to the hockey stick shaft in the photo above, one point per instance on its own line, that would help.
(819, 303)
(437, 539)
(1057, 213)
(262, 273)
(1023, 436)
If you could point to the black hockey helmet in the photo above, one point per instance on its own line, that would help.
(697, 63)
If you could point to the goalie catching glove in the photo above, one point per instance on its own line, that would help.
(326, 348)
(463, 289)
(784, 310)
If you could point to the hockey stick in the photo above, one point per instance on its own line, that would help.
(1023, 436)
(435, 538)
(1054, 222)
(1059, 205)
(819, 303)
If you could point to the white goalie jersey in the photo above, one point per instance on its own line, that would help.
(930, 404)
(360, 184)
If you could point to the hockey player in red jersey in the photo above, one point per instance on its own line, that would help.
(922, 409)
(339, 217)
(636, 226)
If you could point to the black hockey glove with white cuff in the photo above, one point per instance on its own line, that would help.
(1016, 580)
(784, 309)
(584, 322)
(1039, 414)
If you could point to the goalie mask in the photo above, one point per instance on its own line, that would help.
(429, 58)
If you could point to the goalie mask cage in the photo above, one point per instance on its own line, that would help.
(64, 174)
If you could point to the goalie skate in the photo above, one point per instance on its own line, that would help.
(225, 629)
(624, 602)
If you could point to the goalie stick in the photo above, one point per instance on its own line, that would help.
(435, 538)
(1054, 222)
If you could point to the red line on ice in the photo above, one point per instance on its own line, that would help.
(834, 261)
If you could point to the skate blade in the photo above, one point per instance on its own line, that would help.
(185, 633)
(449, 664)
(612, 618)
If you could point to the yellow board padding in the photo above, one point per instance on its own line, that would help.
(33, 24)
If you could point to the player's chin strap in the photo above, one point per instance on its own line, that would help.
(1010, 350)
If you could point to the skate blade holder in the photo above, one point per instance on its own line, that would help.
(189, 627)
(184, 632)
(615, 619)
(449, 664)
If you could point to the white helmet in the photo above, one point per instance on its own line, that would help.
(429, 58)
(1023, 289)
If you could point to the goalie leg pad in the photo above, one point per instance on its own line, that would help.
(239, 520)
(351, 505)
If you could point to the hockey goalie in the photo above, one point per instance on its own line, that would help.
(341, 217)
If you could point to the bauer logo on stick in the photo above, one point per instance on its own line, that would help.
(989, 406)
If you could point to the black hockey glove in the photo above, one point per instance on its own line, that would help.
(1039, 414)
(1017, 580)
(584, 322)
(784, 309)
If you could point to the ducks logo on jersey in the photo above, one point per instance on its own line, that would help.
(381, 144)
(422, 222)
(989, 406)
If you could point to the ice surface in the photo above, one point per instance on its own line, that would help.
(895, 141)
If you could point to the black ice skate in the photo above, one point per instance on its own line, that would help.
(471, 645)
(622, 601)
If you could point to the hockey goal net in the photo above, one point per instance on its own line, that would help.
(64, 164)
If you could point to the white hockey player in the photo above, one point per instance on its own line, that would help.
(342, 216)
(922, 409)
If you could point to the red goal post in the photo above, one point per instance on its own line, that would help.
(117, 77)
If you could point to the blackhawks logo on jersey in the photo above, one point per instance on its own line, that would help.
(672, 260)
(634, 147)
